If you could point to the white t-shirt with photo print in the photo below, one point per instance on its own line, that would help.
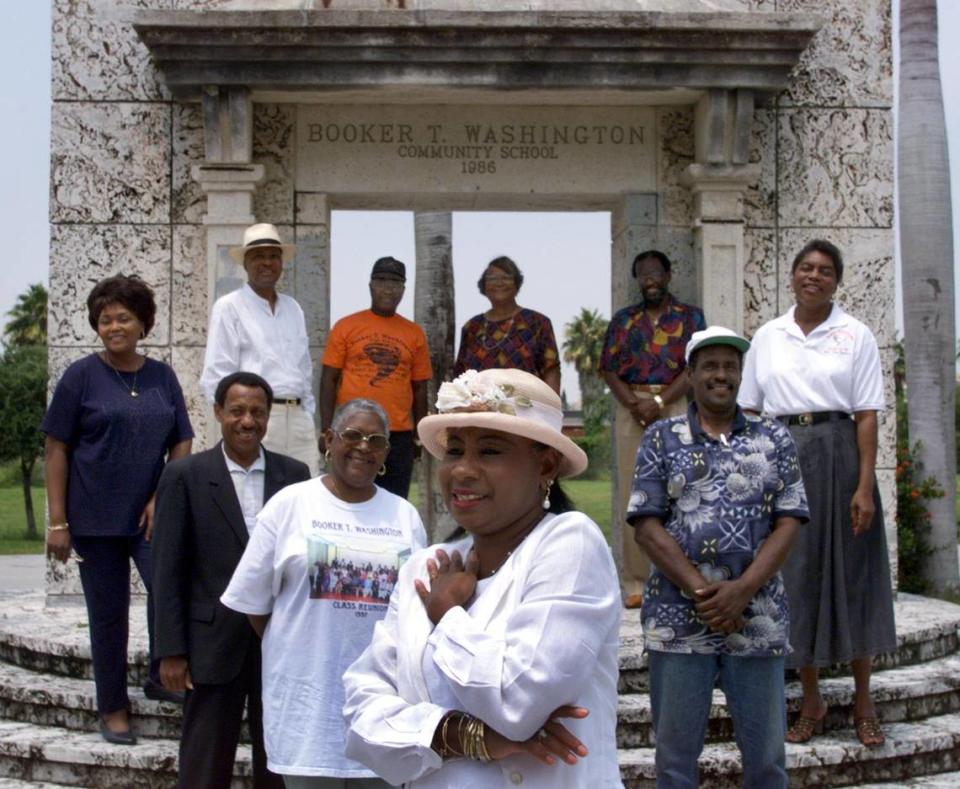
(323, 569)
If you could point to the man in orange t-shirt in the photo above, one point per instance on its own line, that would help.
(382, 356)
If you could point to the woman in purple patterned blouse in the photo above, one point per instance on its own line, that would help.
(508, 335)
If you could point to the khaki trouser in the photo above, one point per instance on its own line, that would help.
(636, 564)
(291, 431)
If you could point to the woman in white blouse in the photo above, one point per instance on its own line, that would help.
(818, 369)
(494, 638)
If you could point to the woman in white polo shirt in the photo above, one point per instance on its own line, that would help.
(818, 369)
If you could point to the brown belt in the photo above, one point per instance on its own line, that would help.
(653, 389)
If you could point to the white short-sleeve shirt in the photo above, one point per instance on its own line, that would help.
(834, 368)
(324, 570)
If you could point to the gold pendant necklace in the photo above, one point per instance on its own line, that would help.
(131, 389)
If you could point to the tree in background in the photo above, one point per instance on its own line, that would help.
(926, 246)
(28, 318)
(23, 397)
(23, 389)
(582, 346)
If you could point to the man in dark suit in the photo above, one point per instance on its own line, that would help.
(206, 507)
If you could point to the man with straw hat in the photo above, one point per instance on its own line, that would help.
(258, 330)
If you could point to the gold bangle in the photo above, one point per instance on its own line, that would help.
(58, 526)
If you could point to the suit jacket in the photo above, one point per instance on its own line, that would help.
(198, 538)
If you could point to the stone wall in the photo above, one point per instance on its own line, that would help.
(123, 199)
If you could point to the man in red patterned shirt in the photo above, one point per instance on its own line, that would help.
(642, 362)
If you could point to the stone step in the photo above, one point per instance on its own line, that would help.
(14, 783)
(30, 697)
(927, 629)
(907, 693)
(56, 641)
(921, 748)
(38, 754)
(941, 781)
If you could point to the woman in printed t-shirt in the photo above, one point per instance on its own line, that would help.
(508, 335)
(497, 644)
(818, 369)
(314, 580)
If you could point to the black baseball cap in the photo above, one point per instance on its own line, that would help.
(389, 265)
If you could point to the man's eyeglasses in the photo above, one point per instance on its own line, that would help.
(375, 441)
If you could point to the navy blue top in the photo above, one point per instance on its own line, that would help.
(118, 443)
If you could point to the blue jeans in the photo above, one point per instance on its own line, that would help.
(680, 694)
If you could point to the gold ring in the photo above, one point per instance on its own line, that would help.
(543, 734)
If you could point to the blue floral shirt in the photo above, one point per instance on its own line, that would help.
(719, 500)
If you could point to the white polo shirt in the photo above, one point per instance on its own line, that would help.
(246, 334)
(834, 368)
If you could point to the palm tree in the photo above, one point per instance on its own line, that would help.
(928, 291)
(433, 310)
(28, 318)
(582, 346)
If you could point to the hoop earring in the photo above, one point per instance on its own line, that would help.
(382, 471)
(546, 494)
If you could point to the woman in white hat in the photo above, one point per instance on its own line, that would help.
(498, 643)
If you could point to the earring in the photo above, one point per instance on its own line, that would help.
(382, 471)
(326, 456)
(546, 494)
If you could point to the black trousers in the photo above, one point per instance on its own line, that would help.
(399, 463)
(105, 576)
(212, 717)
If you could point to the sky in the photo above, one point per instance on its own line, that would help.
(542, 244)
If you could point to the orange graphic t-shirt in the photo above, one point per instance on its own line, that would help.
(380, 358)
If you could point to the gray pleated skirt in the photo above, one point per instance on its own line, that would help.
(838, 585)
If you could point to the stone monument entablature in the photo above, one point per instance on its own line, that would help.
(743, 128)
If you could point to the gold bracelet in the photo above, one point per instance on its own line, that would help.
(58, 526)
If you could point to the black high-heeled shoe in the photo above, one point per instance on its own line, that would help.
(117, 737)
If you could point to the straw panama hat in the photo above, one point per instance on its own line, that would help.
(512, 401)
(262, 235)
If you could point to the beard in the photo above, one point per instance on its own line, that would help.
(654, 296)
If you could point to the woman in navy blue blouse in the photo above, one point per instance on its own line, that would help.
(115, 418)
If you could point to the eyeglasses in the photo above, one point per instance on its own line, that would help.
(388, 284)
(375, 441)
(498, 280)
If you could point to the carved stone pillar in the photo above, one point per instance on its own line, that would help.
(633, 230)
(228, 178)
(434, 312)
(718, 179)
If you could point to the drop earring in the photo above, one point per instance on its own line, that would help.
(546, 494)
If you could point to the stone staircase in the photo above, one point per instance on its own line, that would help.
(48, 721)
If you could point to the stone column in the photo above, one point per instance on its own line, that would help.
(434, 311)
(633, 230)
(718, 179)
(228, 178)
(311, 275)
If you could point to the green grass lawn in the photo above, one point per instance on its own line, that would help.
(13, 521)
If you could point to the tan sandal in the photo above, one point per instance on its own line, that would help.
(804, 728)
(869, 732)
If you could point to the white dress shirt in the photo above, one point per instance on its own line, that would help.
(834, 368)
(249, 484)
(245, 334)
(542, 633)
